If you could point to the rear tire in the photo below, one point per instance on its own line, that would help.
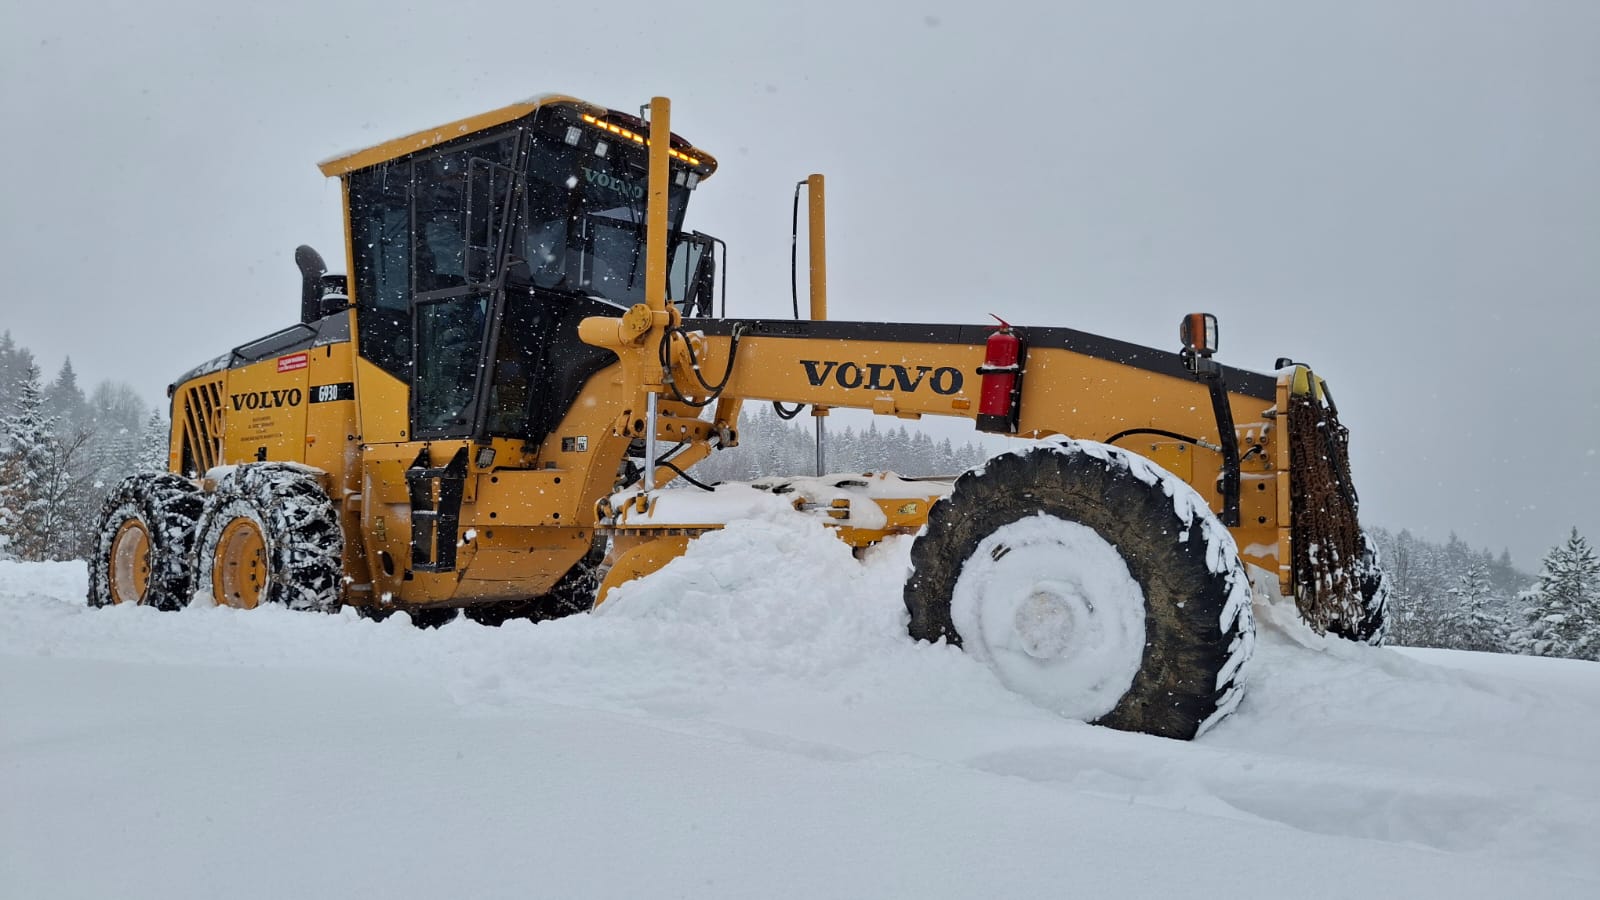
(573, 594)
(434, 618)
(1093, 582)
(576, 590)
(146, 532)
(270, 534)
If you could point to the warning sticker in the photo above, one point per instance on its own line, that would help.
(294, 362)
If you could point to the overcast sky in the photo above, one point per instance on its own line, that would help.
(1404, 194)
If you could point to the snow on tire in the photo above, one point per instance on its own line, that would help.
(145, 535)
(270, 534)
(1091, 581)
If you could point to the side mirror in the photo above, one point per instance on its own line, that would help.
(335, 295)
(1198, 332)
(702, 286)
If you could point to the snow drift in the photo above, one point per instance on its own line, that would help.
(750, 721)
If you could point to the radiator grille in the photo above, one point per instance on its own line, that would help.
(202, 426)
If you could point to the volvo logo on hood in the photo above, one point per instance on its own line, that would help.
(266, 399)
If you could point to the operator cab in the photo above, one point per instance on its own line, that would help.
(474, 258)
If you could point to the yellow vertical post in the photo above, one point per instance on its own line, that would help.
(655, 214)
(817, 243)
(817, 247)
(655, 257)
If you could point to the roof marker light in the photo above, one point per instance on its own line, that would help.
(637, 138)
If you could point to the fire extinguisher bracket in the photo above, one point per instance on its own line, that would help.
(1000, 379)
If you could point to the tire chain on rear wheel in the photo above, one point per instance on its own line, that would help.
(1327, 563)
(168, 506)
(1199, 625)
(300, 524)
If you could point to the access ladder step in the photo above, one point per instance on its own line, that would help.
(436, 494)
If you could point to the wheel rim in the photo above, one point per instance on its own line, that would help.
(130, 563)
(1051, 607)
(239, 571)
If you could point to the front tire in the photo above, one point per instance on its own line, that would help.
(270, 534)
(1093, 582)
(1373, 626)
(146, 531)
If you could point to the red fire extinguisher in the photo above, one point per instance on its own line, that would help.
(1000, 391)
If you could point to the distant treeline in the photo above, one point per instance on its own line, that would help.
(1449, 595)
(770, 445)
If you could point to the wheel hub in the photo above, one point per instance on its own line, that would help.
(1052, 608)
(130, 563)
(239, 575)
(1044, 621)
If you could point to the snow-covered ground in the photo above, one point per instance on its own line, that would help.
(751, 722)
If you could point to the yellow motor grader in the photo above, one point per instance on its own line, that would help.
(486, 413)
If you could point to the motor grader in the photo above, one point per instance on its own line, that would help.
(494, 411)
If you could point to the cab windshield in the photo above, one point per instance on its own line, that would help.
(586, 212)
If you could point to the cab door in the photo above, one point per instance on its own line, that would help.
(463, 219)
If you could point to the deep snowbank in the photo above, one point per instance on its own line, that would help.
(751, 721)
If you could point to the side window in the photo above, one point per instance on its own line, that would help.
(380, 220)
(680, 277)
(439, 247)
(462, 209)
(427, 233)
(450, 342)
(488, 211)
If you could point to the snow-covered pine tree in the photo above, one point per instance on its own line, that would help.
(1474, 622)
(924, 458)
(1504, 576)
(1414, 587)
(153, 444)
(1563, 616)
(14, 363)
(844, 450)
(897, 450)
(64, 399)
(28, 524)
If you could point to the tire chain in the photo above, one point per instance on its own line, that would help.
(1327, 556)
